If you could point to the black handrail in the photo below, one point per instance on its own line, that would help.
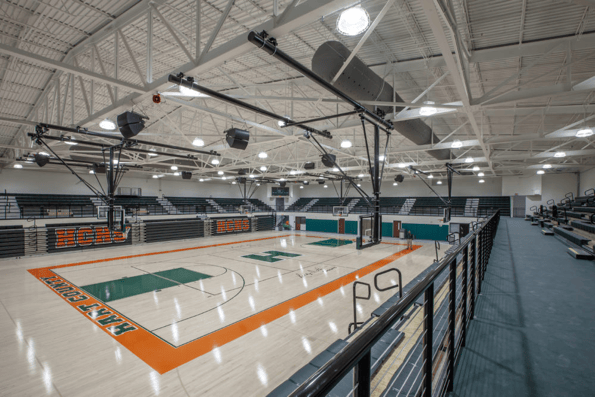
(437, 247)
(400, 285)
(592, 190)
(551, 202)
(569, 195)
(355, 323)
(358, 352)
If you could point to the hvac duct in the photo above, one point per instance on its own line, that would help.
(362, 84)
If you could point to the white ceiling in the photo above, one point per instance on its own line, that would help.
(521, 77)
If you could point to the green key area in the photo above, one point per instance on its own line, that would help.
(271, 256)
(332, 242)
(131, 286)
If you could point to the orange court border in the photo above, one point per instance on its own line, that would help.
(160, 355)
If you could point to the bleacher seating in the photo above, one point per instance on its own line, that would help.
(326, 204)
(489, 205)
(140, 205)
(192, 205)
(54, 205)
(297, 205)
(572, 237)
(260, 205)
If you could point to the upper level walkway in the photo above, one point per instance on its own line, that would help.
(534, 330)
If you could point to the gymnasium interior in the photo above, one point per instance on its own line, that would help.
(344, 198)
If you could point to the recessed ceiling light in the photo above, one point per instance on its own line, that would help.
(263, 168)
(481, 181)
(547, 166)
(481, 174)
(18, 166)
(198, 142)
(346, 144)
(476, 168)
(325, 186)
(220, 172)
(540, 172)
(215, 161)
(469, 160)
(174, 167)
(428, 110)
(456, 144)
(439, 183)
(263, 155)
(585, 132)
(107, 124)
(301, 187)
(560, 154)
(395, 184)
(353, 21)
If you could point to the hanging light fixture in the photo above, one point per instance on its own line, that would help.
(481, 181)
(430, 176)
(360, 176)
(263, 168)
(428, 110)
(18, 166)
(215, 161)
(346, 144)
(220, 172)
(152, 154)
(456, 144)
(560, 154)
(353, 21)
(481, 174)
(107, 124)
(71, 141)
(476, 168)
(439, 183)
(584, 132)
(540, 172)
(547, 166)
(469, 160)
(198, 142)
(263, 155)
(174, 167)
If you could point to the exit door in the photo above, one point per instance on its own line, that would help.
(341, 226)
(396, 228)
(280, 203)
(463, 230)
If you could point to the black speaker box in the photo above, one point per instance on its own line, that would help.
(41, 160)
(329, 160)
(237, 139)
(186, 175)
(309, 166)
(399, 178)
(241, 180)
(130, 124)
(282, 184)
(321, 182)
(99, 168)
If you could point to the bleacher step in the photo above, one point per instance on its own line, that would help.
(578, 253)
(547, 232)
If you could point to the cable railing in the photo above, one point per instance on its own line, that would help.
(433, 314)
(480, 212)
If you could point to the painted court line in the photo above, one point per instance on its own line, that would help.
(159, 354)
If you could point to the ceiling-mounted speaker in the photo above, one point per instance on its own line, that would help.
(242, 180)
(41, 159)
(237, 139)
(321, 182)
(309, 165)
(186, 175)
(99, 168)
(399, 178)
(306, 182)
(329, 159)
(242, 171)
(282, 184)
(130, 124)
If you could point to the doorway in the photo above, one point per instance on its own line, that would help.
(300, 223)
(341, 225)
(280, 204)
(396, 228)
(518, 206)
(463, 229)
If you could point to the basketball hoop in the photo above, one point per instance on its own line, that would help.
(340, 211)
(246, 210)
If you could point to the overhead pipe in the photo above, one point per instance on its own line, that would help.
(362, 83)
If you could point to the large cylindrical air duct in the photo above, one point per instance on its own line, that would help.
(362, 84)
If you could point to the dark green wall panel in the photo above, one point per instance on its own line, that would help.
(350, 227)
(322, 225)
(387, 229)
(427, 232)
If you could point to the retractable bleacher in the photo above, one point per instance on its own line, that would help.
(54, 205)
(192, 205)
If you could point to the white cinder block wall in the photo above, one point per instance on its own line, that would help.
(587, 180)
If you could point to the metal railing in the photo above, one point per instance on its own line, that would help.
(415, 211)
(437, 311)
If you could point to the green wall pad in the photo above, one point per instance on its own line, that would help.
(333, 242)
(350, 227)
(126, 287)
(427, 232)
(322, 225)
